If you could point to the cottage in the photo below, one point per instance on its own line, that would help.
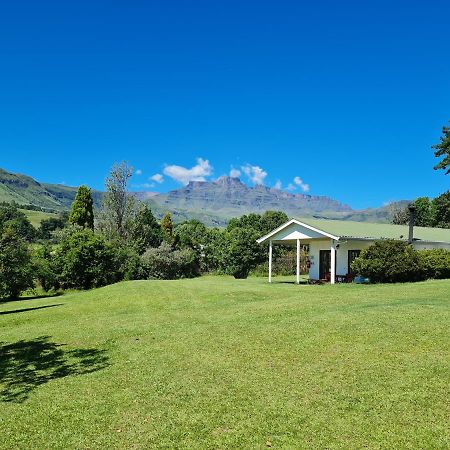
(334, 244)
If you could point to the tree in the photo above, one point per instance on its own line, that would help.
(16, 271)
(424, 212)
(82, 213)
(441, 210)
(13, 219)
(118, 205)
(145, 230)
(48, 226)
(85, 260)
(240, 252)
(167, 226)
(443, 149)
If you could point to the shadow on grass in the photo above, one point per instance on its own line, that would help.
(30, 297)
(14, 311)
(28, 364)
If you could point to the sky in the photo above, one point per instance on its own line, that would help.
(330, 98)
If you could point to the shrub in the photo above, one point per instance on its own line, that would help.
(129, 264)
(45, 268)
(240, 253)
(435, 263)
(16, 221)
(163, 263)
(16, 271)
(85, 260)
(389, 261)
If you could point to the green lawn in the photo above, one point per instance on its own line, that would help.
(218, 363)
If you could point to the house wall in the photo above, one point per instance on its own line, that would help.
(341, 254)
(427, 246)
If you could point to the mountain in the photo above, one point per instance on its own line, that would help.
(24, 190)
(212, 202)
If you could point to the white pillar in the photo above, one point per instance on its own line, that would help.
(270, 261)
(333, 262)
(298, 261)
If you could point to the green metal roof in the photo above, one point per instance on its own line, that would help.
(364, 230)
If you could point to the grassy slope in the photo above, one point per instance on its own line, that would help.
(35, 217)
(218, 363)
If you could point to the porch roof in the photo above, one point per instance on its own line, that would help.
(346, 229)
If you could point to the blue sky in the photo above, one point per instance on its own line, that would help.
(345, 97)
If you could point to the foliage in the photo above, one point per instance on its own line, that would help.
(262, 224)
(128, 263)
(240, 253)
(82, 212)
(163, 263)
(429, 213)
(85, 260)
(443, 149)
(13, 219)
(145, 231)
(389, 261)
(118, 205)
(441, 210)
(16, 271)
(48, 226)
(167, 226)
(46, 267)
(435, 263)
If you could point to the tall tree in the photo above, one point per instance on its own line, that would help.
(145, 230)
(167, 226)
(443, 149)
(424, 213)
(118, 205)
(441, 210)
(82, 212)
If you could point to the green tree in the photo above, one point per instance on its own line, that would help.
(443, 149)
(167, 226)
(119, 207)
(82, 213)
(145, 230)
(48, 226)
(85, 260)
(441, 210)
(240, 252)
(424, 212)
(16, 270)
(13, 219)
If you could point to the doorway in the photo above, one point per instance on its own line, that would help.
(324, 263)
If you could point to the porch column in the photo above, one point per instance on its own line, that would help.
(298, 261)
(333, 262)
(270, 261)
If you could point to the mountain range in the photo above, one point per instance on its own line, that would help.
(212, 202)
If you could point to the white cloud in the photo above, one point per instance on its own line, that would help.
(138, 172)
(183, 175)
(291, 187)
(277, 185)
(255, 174)
(303, 186)
(235, 173)
(157, 177)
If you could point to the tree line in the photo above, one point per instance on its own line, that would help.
(88, 248)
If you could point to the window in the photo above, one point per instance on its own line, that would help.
(352, 255)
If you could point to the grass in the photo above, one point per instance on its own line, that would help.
(36, 217)
(218, 363)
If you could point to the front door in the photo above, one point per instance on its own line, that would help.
(324, 263)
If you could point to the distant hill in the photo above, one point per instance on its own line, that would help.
(212, 202)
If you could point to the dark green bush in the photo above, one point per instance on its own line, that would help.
(163, 263)
(85, 260)
(16, 270)
(46, 268)
(435, 263)
(389, 261)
